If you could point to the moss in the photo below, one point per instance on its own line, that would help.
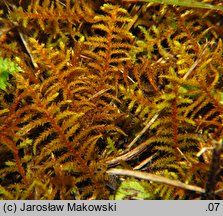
(104, 85)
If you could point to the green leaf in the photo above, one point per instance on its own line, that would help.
(185, 3)
(133, 189)
(7, 67)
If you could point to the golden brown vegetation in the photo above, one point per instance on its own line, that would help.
(111, 84)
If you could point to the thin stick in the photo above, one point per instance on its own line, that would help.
(143, 130)
(99, 93)
(183, 3)
(196, 62)
(129, 155)
(155, 178)
(22, 36)
(144, 162)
